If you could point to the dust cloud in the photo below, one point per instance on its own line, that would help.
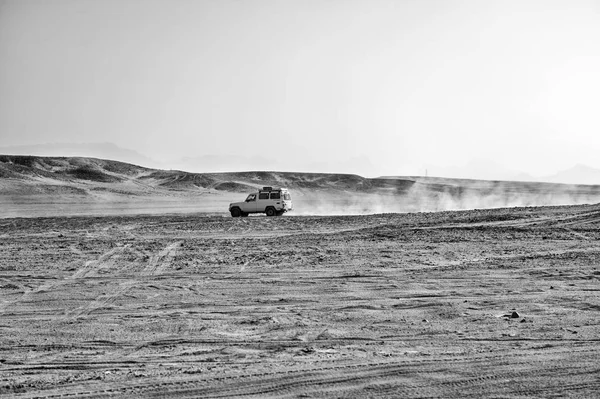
(423, 198)
(429, 196)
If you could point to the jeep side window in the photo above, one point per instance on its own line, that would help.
(263, 195)
(251, 197)
(275, 195)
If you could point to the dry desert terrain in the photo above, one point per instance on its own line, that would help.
(465, 304)
(123, 281)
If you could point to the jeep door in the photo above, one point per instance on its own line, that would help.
(263, 201)
(249, 205)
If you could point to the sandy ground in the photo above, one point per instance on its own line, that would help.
(489, 303)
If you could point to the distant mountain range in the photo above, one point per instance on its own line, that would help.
(91, 150)
(578, 174)
(480, 169)
(477, 169)
(119, 177)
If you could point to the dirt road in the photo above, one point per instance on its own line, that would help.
(489, 303)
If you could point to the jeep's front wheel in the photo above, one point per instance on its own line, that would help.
(270, 211)
(236, 213)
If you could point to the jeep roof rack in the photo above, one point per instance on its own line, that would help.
(273, 189)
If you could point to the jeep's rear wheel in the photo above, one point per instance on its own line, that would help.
(235, 212)
(270, 211)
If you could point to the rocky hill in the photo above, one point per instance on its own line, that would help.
(85, 172)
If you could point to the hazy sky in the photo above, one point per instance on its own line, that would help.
(404, 84)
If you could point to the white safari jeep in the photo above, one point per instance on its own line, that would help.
(269, 200)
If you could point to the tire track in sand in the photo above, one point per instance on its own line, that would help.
(93, 266)
(89, 267)
(479, 375)
(156, 265)
(162, 260)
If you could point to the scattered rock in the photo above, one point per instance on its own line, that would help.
(513, 315)
(306, 350)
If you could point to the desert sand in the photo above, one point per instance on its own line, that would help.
(488, 303)
(134, 299)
